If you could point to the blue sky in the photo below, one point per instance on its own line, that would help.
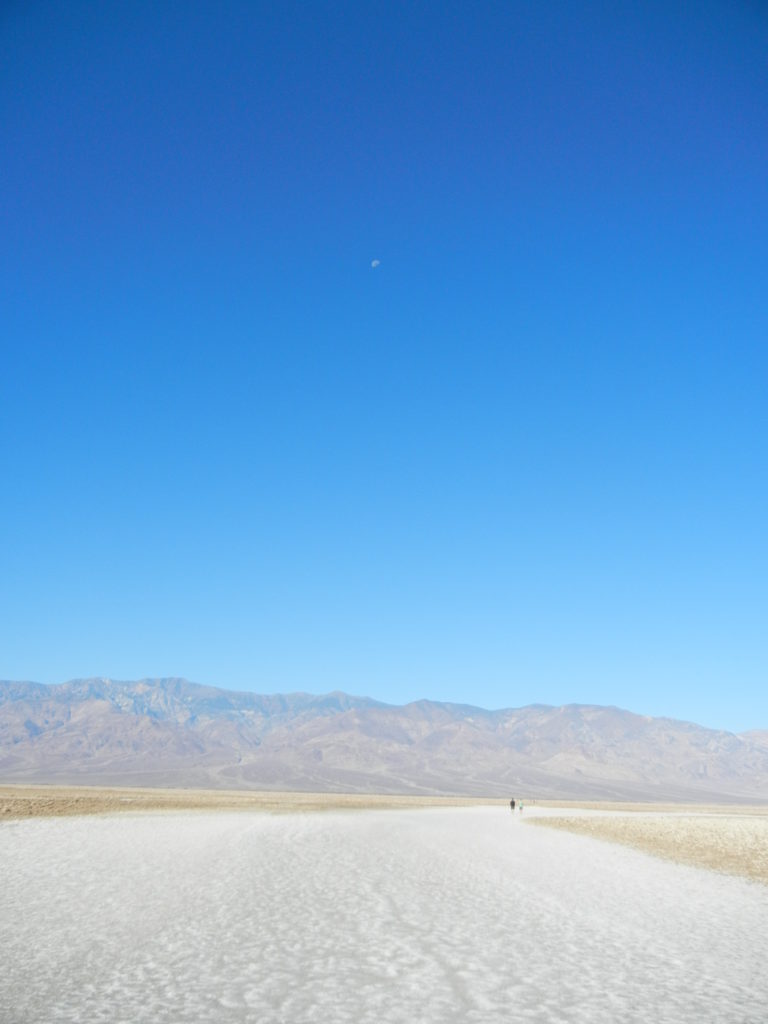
(523, 459)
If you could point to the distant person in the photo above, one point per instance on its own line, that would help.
(512, 806)
(521, 808)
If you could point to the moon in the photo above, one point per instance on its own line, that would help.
(375, 263)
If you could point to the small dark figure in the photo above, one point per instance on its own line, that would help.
(512, 805)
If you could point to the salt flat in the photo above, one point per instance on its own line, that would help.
(450, 914)
(21, 801)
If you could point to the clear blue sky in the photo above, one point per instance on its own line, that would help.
(524, 459)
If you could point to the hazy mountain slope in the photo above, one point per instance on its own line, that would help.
(757, 736)
(172, 732)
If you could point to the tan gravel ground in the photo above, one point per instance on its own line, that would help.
(62, 801)
(734, 841)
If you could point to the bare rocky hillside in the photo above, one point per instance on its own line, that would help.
(172, 732)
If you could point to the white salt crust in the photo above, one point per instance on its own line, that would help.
(460, 914)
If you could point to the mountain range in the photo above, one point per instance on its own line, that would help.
(170, 732)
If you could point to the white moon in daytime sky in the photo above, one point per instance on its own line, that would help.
(375, 263)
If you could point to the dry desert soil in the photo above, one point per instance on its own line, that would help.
(730, 840)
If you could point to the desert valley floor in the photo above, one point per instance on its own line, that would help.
(437, 914)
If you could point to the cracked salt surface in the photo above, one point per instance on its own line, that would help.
(426, 916)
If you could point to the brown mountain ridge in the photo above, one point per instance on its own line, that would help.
(170, 732)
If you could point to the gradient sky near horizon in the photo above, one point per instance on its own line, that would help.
(521, 459)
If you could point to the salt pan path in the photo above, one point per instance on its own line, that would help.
(386, 916)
